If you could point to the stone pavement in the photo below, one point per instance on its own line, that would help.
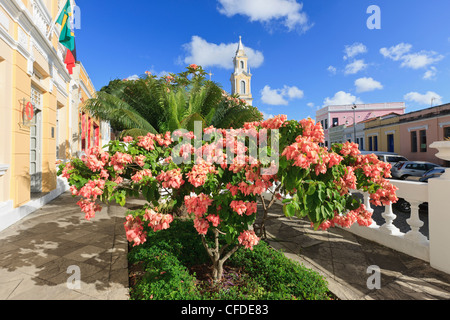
(344, 259)
(41, 255)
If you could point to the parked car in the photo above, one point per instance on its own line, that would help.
(405, 169)
(389, 157)
(432, 173)
(404, 206)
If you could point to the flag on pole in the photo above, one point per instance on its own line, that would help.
(70, 61)
(67, 36)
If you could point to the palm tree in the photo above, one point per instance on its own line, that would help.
(157, 105)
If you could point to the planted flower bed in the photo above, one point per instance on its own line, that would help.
(173, 265)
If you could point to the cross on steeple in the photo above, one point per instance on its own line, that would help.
(210, 74)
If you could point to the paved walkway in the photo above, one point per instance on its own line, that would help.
(344, 258)
(36, 252)
(41, 255)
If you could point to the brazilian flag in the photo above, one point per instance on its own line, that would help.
(67, 37)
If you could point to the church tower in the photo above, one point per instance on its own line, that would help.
(241, 77)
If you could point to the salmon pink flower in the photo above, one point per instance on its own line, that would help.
(248, 239)
(134, 230)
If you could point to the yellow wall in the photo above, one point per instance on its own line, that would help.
(16, 83)
(381, 128)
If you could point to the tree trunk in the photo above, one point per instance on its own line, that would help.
(218, 270)
(217, 256)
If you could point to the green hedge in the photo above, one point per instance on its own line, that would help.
(167, 256)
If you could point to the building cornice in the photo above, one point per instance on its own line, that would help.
(20, 15)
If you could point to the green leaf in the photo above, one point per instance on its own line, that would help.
(311, 189)
(289, 210)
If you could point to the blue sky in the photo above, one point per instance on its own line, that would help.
(302, 54)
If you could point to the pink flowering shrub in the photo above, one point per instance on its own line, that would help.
(219, 179)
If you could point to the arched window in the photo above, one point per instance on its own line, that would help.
(242, 87)
(242, 64)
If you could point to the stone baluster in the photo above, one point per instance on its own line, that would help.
(366, 196)
(389, 217)
(415, 223)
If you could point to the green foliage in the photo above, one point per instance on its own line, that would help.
(268, 275)
(157, 105)
(165, 277)
(280, 275)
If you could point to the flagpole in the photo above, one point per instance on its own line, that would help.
(52, 26)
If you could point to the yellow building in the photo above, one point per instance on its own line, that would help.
(383, 133)
(39, 106)
(241, 77)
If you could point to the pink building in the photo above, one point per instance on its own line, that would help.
(421, 128)
(331, 116)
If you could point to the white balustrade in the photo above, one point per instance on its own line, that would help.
(414, 243)
(389, 217)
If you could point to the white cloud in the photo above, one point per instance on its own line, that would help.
(430, 74)
(133, 77)
(418, 60)
(293, 92)
(332, 70)
(310, 104)
(396, 52)
(423, 99)
(354, 49)
(280, 97)
(341, 98)
(421, 59)
(267, 115)
(355, 67)
(367, 84)
(207, 54)
(289, 12)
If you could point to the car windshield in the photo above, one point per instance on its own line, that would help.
(434, 171)
(396, 159)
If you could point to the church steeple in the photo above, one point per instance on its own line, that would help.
(241, 77)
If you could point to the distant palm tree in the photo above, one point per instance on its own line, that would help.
(157, 105)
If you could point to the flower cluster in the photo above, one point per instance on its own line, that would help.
(198, 204)
(312, 130)
(241, 207)
(171, 179)
(68, 167)
(89, 193)
(119, 160)
(91, 190)
(89, 207)
(304, 152)
(201, 225)
(157, 221)
(361, 215)
(248, 239)
(134, 230)
(198, 175)
(139, 175)
(275, 122)
(350, 149)
(95, 159)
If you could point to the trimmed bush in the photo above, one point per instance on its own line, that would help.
(264, 273)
